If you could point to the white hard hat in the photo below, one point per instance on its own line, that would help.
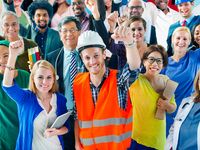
(89, 39)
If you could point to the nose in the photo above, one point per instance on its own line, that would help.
(92, 61)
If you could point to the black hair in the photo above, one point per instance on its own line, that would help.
(40, 4)
(68, 19)
(192, 33)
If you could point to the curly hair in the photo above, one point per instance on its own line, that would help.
(40, 4)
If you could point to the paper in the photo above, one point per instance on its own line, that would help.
(60, 120)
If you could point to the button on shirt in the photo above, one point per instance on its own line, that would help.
(66, 76)
(40, 39)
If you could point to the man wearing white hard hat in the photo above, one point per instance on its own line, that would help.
(101, 95)
(187, 19)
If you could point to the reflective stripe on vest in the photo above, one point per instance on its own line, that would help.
(105, 139)
(104, 122)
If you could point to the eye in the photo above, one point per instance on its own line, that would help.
(133, 29)
(40, 77)
(49, 77)
(96, 56)
(140, 29)
(87, 58)
(159, 61)
(5, 56)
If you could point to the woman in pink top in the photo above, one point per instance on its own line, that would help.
(61, 9)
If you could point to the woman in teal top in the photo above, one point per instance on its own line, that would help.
(9, 123)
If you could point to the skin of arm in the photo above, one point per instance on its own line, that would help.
(166, 105)
(123, 33)
(16, 48)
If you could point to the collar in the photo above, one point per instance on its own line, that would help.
(188, 20)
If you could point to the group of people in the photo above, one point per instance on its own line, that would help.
(114, 98)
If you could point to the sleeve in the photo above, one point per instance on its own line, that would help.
(169, 141)
(9, 6)
(61, 108)
(16, 93)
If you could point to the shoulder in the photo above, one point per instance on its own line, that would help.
(29, 43)
(54, 54)
(53, 32)
(23, 73)
(60, 96)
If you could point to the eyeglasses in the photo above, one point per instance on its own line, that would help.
(65, 31)
(13, 25)
(77, 3)
(151, 60)
(135, 7)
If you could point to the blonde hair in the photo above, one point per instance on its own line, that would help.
(42, 64)
(179, 29)
(196, 87)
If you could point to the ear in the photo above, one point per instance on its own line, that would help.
(104, 54)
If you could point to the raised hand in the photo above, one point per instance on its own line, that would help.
(93, 7)
(123, 33)
(16, 48)
(112, 20)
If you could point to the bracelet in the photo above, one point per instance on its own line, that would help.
(130, 45)
(10, 68)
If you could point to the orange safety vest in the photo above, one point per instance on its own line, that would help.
(104, 126)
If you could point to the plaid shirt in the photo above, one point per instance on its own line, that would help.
(125, 78)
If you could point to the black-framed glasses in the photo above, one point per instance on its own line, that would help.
(68, 30)
(151, 60)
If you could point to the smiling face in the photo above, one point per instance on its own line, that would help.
(78, 7)
(138, 31)
(197, 35)
(94, 60)
(180, 42)
(43, 80)
(135, 8)
(185, 9)
(41, 18)
(10, 27)
(153, 63)
(3, 58)
(69, 35)
(17, 3)
(161, 4)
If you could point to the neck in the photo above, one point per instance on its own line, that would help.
(97, 78)
(177, 57)
(44, 96)
(12, 39)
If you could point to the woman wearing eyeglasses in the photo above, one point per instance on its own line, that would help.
(149, 132)
(182, 67)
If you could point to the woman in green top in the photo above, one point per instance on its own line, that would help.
(148, 132)
(8, 108)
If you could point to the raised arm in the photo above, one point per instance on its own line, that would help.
(16, 48)
(124, 34)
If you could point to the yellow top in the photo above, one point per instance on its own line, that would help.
(147, 130)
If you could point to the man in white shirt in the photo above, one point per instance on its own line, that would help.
(165, 17)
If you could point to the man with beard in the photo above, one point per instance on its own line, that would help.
(78, 7)
(40, 12)
(165, 17)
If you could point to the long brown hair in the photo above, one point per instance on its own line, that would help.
(42, 64)
(196, 87)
